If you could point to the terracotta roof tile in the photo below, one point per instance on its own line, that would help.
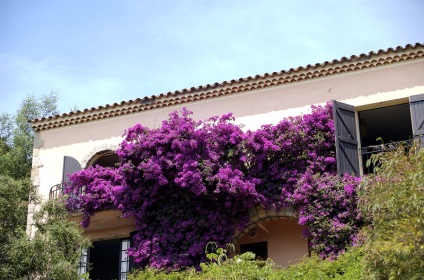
(233, 86)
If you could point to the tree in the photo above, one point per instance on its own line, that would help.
(17, 137)
(54, 251)
(14, 198)
(392, 199)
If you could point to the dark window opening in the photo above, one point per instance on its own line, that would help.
(107, 160)
(260, 249)
(390, 124)
(105, 259)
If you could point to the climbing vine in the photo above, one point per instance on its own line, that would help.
(191, 182)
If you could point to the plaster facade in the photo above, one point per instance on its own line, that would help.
(369, 81)
(285, 244)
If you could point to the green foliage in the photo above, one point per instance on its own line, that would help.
(17, 137)
(242, 266)
(393, 202)
(14, 199)
(348, 266)
(52, 253)
(156, 274)
(217, 255)
(218, 267)
(16, 140)
(55, 249)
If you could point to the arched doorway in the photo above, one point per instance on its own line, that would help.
(273, 234)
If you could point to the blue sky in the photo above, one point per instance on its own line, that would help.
(96, 52)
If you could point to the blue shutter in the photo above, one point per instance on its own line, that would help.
(416, 103)
(70, 166)
(346, 138)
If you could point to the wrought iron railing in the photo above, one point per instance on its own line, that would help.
(367, 152)
(58, 189)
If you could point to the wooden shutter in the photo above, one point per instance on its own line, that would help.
(70, 166)
(416, 103)
(346, 139)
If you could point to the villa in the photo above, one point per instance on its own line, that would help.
(375, 95)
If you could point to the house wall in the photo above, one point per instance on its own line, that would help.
(377, 86)
(253, 109)
(356, 88)
(284, 239)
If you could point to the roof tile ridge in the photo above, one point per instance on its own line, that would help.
(194, 89)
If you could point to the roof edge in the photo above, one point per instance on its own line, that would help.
(229, 87)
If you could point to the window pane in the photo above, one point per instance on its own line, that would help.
(124, 267)
(125, 244)
(125, 264)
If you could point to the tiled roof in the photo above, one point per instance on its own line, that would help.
(327, 68)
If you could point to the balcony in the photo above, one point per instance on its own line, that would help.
(367, 152)
(58, 189)
(104, 225)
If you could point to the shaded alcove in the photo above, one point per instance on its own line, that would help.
(106, 158)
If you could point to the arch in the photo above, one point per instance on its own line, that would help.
(99, 152)
(273, 234)
(106, 158)
(259, 214)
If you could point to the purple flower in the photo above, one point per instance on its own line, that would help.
(190, 182)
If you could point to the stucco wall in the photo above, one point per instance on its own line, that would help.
(357, 88)
(376, 86)
(284, 239)
(252, 109)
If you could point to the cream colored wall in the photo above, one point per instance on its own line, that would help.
(284, 239)
(357, 89)
(51, 160)
(263, 106)
(252, 108)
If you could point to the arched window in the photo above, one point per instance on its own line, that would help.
(106, 158)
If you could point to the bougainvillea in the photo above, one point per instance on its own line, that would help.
(328, 207)
(190, 182)
(94, 189)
